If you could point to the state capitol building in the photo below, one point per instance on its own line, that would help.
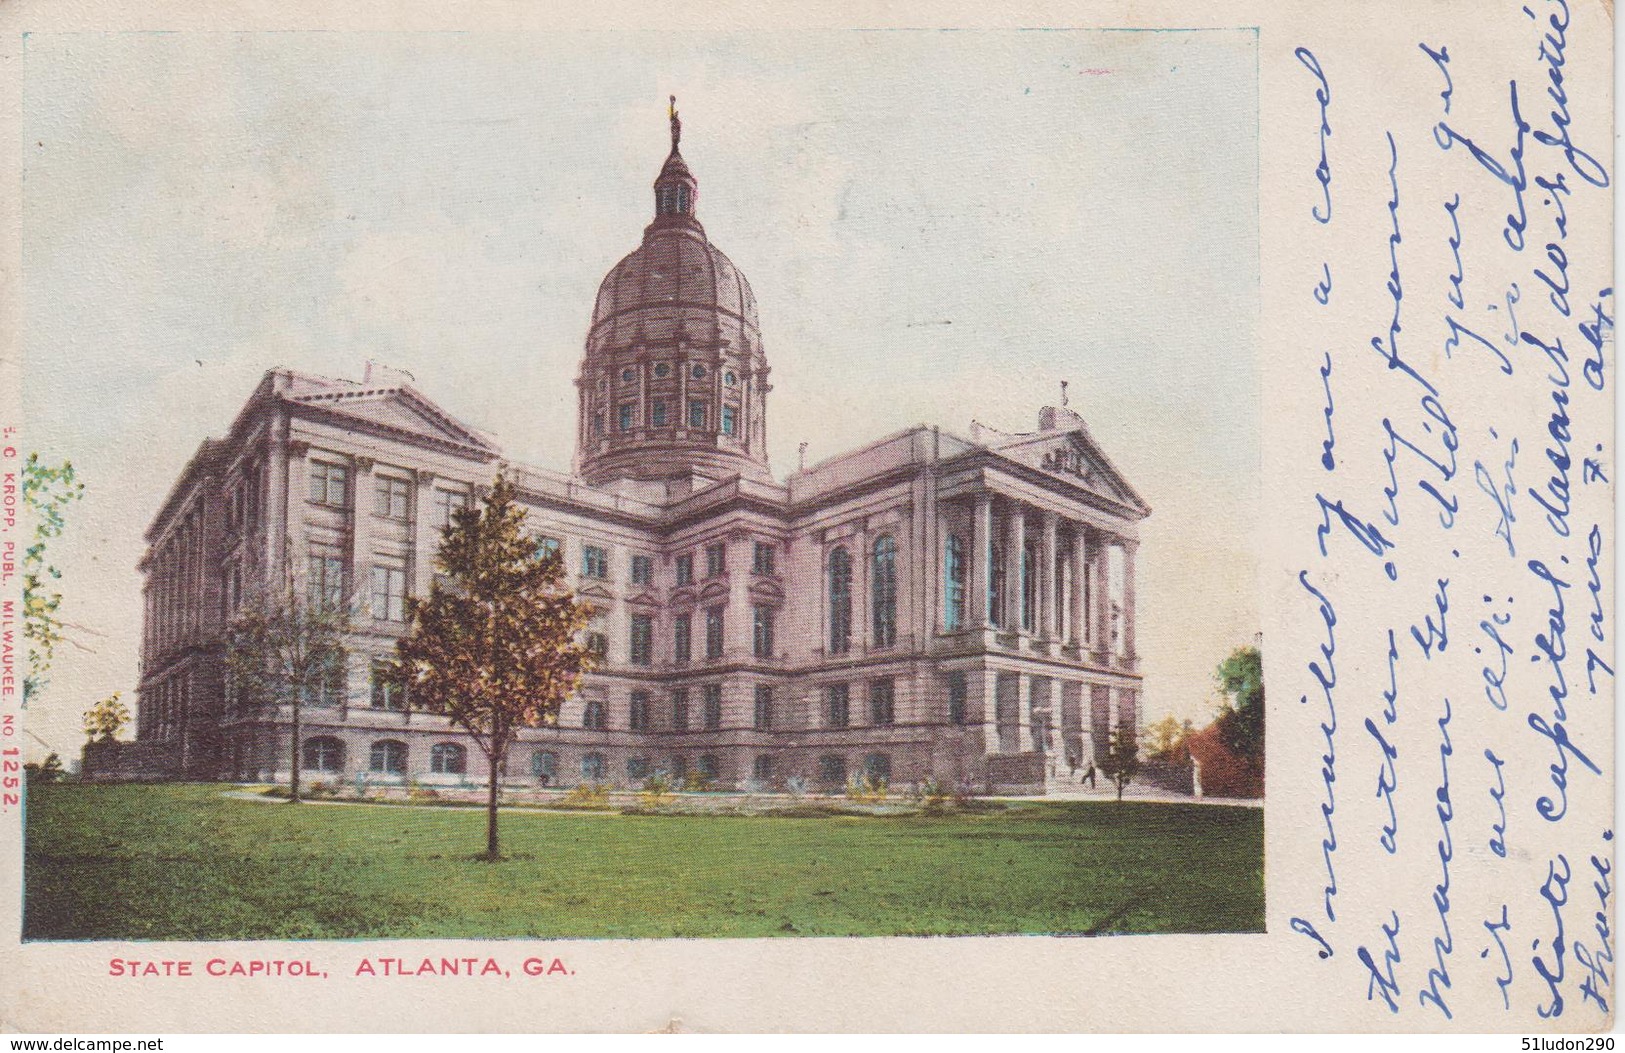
(928, 605)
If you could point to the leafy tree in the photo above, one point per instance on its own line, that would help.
(49, 771)
(495, 647)
(284, 648)
(1165, 740)
(1122, 761)
(106, 718)
(47, 493)
(1241, 717)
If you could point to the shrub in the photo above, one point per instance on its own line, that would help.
(796, 786)
(697, 782)
(657, 791)
(588, 794)
(49, 771)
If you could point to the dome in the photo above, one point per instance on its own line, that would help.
(675, 282)
(673, 381)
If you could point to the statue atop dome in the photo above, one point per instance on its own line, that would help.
(673, 382)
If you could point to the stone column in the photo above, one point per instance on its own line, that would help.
(981, 565)
(362, 497)
(1100, 579)
(1129, 549)
(294, 482)
(425, 534)
(274, 506)
(1046, 579)
(862, 603)
(1015, 547)
(1025, 686)
(1077, 566)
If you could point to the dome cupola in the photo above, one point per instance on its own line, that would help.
(673, 381)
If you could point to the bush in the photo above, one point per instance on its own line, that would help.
(657, 791)
(588, 795)
(868, 788)
(48, 771)
(697, 782)
(417, 792)
(796, 786)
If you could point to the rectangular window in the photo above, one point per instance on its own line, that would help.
(639, 720)
(882, 709)
(594, 562)
(643, 639)
(837, 705)
(681, 638)
(953, 580)
(388, 691)
(958, 696)
(696, 413)
(326, 686)
(627, 411)
(764, 707)
(713, 632)
(389, 593)
(598, 643)
(657, 413)
(716, 560)
(547, 546)
(679, 709)
(447, 503)
(327, 484)
(325, 580)
(637, 769)
(727, 420)
(763, 558)
(685, 570)
(762, 635)
(393, 498)
(643, 570)
(713, 706)
(598, 424)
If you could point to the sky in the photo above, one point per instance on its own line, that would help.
(938, 226)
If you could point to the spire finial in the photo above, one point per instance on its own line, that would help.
(1063, 392)
(676, 123)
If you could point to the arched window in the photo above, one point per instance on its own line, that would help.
(388, 756)
(953, 580)
(593, 716)
(707, 767)
(877, 766)
(840, 601)
(832, 769)
(592, 767)
(324, 754)
(544, 765)
(448, 758)
(883, 589)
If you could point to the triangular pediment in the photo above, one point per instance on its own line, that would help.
(595, 592)
(1074, 457)
(644, 599)
(400, 411)
(712, 590)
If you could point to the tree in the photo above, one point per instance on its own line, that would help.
(50, 771)
(1165, 740)
(1122, 761)
(106, 718)
(285, 648)
(1241, 717)
(495, 647)
(47, 493)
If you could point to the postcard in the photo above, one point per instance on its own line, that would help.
(782, 519)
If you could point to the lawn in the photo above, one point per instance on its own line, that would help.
(186, 862)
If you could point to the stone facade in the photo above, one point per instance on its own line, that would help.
(925, 606)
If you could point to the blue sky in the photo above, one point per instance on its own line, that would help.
(939, 226)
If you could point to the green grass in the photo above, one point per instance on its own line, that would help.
(185, 862)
